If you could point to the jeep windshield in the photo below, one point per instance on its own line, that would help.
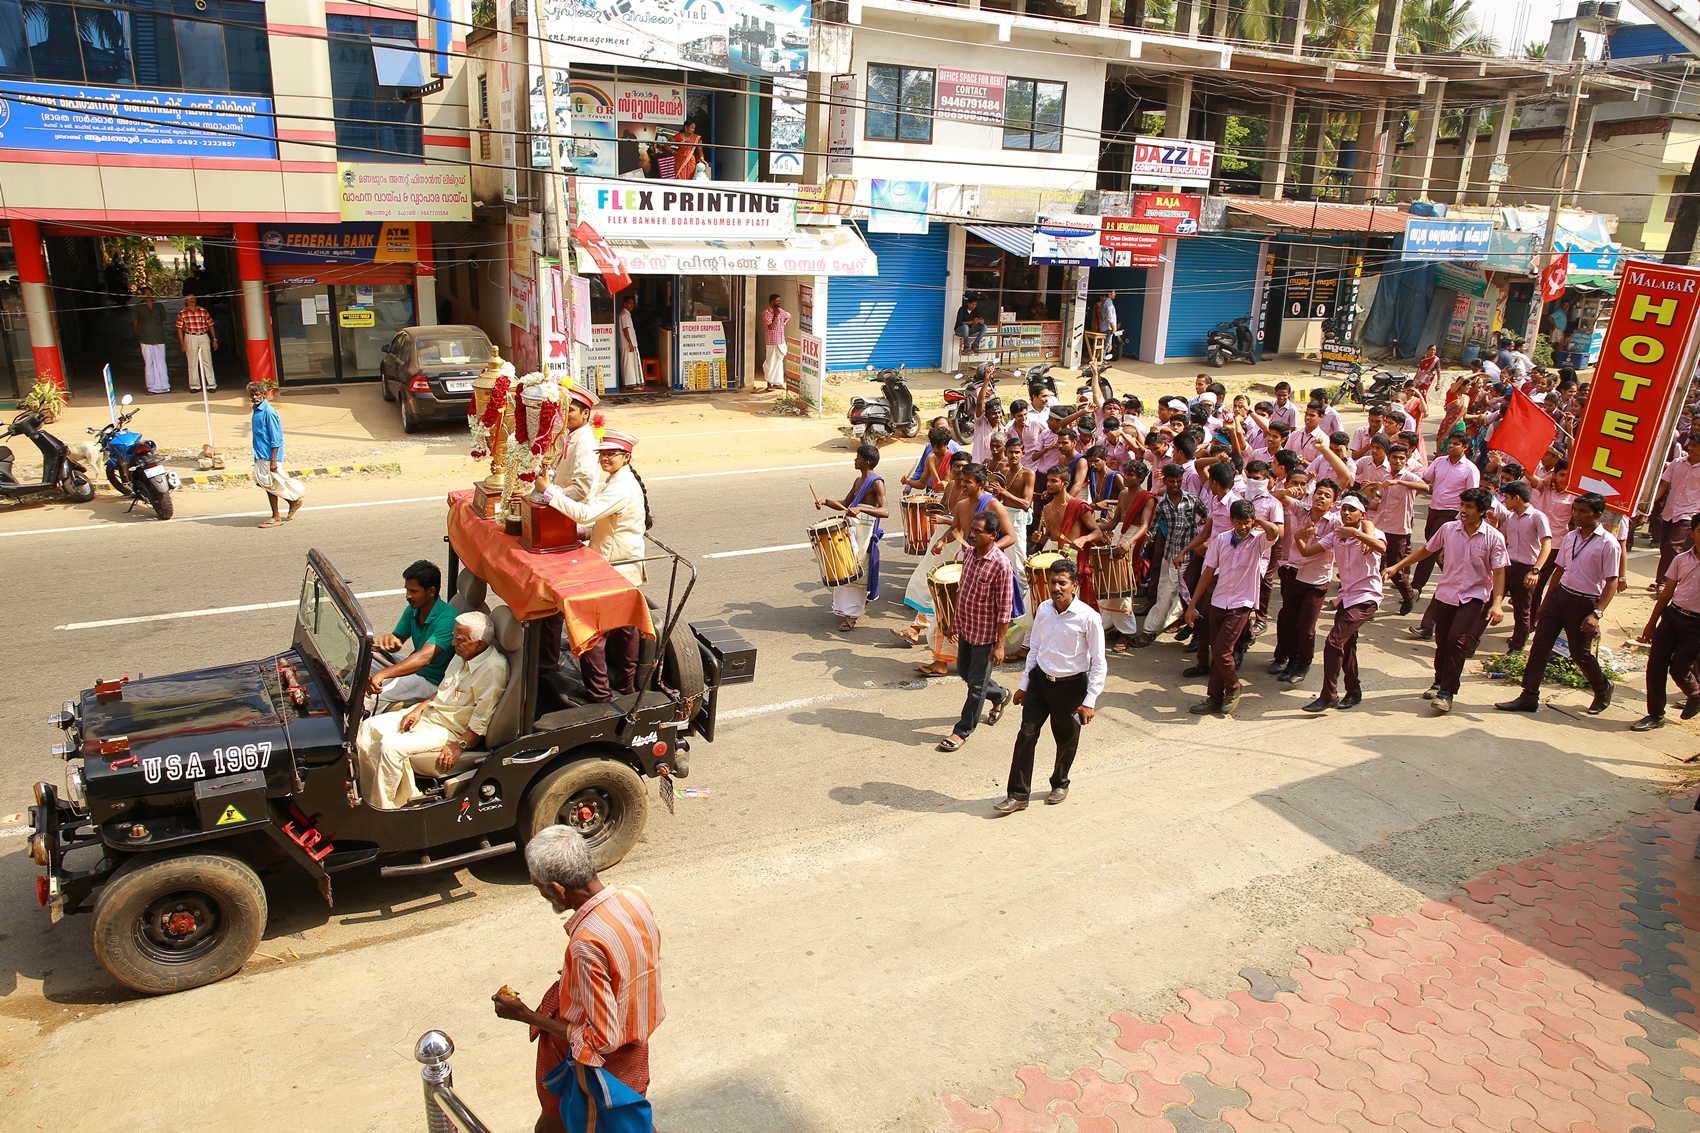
(333, 636)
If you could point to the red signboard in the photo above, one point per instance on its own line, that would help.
(1643, 370)
(1127, 242)
(1174, 214)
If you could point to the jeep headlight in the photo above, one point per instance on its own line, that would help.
(76, 787)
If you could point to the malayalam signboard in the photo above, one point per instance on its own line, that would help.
(969, 96)
(59, 118)
(687, 210)
(1436, 240)
(1644, 367)
(1172, 161)
(840, 125)
(384, 191)
(1340, 357)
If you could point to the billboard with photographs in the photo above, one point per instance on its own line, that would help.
(738, 37)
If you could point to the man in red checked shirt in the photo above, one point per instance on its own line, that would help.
(985, 603)
(592, 1029)
(198, 338)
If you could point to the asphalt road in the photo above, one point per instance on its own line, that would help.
(848, 936)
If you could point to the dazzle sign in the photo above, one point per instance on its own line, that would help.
(1638, 383)
(1172, 161)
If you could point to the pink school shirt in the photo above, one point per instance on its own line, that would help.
(1589, 561)
(1523, 534)
(1360, 568)
(1470, 560)
(1450, 481)
(1684, 570)
(1239, 570)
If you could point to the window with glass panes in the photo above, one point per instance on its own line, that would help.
(189, 45)
(1033, 114)
(900, 103)
(376, 70)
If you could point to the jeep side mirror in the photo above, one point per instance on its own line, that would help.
(125, 400)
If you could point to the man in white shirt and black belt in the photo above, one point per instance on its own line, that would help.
(1064, 677)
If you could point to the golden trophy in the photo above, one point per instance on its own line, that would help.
(491, 422)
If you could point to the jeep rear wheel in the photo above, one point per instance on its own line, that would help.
(603, 799)
(170, 924)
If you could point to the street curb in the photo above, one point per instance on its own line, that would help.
(211, 478)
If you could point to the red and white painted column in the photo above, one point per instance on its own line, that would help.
(38, 301)
(424, 276)
(256, 315)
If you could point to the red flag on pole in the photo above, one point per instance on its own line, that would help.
(1525, 433)
(613, 271)
(1553, 279)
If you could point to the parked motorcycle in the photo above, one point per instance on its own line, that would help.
(1384, 386)
(133, 465)
(959, 404)
(891, 415)
(59, 473)
(1230, 342)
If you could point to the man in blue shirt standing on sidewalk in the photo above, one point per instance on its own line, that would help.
(268, 456)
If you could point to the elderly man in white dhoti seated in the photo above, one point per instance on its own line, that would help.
(432, 738)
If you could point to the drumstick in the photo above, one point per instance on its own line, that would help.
(812, 493)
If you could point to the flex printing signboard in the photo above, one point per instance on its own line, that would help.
(1438, 239)
(77, 119)
(1172, 161)
(969, 96)
(687, 210)
(1643, 370)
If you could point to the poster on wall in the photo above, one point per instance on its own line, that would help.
(969, 96)
(519, 301)
(841, 126)
(806, 308)
(581, 309)
(899, 206)
(1172, 214)
(519, 245)
(702, 356)
(1069, 240)
(630, 130)
(1125, 241)
(506, 80)
(598, 368)
(738, 37)
(811, 368)
(789, 107)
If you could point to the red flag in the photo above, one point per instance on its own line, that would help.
(1554, 277)
(1525, 433)
(613, 271)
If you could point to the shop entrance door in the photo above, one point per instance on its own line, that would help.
(306, 339)
(335, 332)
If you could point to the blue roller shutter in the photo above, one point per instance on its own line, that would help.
(896, 317)
(1215, 282)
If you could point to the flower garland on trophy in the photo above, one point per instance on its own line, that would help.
(490, 420)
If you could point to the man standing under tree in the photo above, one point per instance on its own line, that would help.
(198, 338)
(773, 318)
(148, 317)
(1064, 677)
(985, 603)
(268, 455)
(593, 1026)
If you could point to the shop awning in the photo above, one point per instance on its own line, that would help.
(1012, 239)
(810, 251)
(1320, 217)
(1606, 283)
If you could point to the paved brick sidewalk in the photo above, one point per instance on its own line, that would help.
(1559, 994)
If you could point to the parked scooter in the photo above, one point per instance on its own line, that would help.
(59, 473)
(133, 465)
(892, 415)
(1230, 342)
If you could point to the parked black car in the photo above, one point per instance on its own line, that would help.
(430, 371)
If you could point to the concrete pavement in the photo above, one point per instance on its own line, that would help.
(849, 937)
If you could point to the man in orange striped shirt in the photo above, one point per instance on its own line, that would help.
(607, 1002)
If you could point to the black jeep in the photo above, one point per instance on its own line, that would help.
(193, 786)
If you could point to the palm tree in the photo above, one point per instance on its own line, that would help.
(1443, 27)
(1341, 28)
(1534, 49)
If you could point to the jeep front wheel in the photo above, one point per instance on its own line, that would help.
(601, 798)
(170, 924)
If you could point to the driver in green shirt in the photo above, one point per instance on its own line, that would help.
(427, 627)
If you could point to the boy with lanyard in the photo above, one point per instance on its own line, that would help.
(1356, 548)
(1471, 590)
(1673, 631)
(864, 505)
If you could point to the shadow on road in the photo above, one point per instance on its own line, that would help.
(900, 797)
